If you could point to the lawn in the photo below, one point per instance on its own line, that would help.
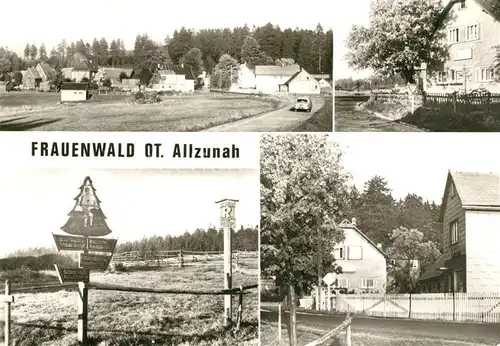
(123, 318)
(190, 112)
(305, 335)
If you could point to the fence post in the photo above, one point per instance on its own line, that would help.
(454, 100)
(409, 309)
(279, 323)
(82, 311)
(8, 300)
(181, 258)
(348, 331)
(240, 309)
(337, 300)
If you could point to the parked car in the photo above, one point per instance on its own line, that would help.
(303, 104)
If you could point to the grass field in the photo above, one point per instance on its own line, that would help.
(123, 318)
(305, 335)
(21, 111)
(321, 121)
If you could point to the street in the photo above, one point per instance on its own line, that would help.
(350, 119)
(465, 332)
(280, 120)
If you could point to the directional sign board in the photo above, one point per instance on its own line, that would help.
(227, 212)
(70, 243)
(90, 261)
(67, 275)
(102, 244)
(329, 279)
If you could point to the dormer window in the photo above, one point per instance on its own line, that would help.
(461, 5)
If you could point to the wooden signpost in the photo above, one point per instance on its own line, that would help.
(8, 300)
(86, 222)
(228, 222)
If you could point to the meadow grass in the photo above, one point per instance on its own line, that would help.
(190, 112)
(123, 318)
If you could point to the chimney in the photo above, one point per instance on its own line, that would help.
(353, 221)
(379, 245)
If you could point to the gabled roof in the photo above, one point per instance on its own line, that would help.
(48, 70)
(33, 72)
(114, 72)
(346, 224)
(432, 270)
(273, 70)
(486, 5)
(475, 190)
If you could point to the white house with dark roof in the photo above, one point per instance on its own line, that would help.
(364, 263)
(472, 32)
(301, 82)
(470, 215)
(271, 78)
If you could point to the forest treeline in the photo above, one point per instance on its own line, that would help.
(312, 49)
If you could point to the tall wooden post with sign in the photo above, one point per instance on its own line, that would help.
(228, 222)
(86, 222)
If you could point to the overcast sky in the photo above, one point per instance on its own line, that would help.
(417, 162)
(347, 14)
(35, 202)
(50, 21)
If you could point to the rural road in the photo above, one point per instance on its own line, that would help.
(350, 119)
(275, 121)
(468, 332)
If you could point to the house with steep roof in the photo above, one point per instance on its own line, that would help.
(363, 263)
(472, 32)
(32, 79)
(45, 71)
(470, 215)
(301, 82)
(271, 78)
(246, 76)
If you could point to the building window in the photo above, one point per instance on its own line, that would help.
(367, 283)
(442, 77)
(355, 252)
(454, 232)
(459, 281)
(453, 192)
(342, 283)
(339, 253)
(454, 35)
(456, 76)
(462, 5)
(486, 75)
(472, 32)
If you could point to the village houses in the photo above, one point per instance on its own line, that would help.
(276, 78)
(470, 215)
(472, 32)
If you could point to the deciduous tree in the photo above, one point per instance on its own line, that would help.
(401, 37)
(193, 62)
(225, 72)
(303, 197)
(409, 245)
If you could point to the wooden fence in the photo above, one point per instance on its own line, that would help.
(180, 258)
(462, 102)
(453, 101)
(326, 337)
(458, 307)
(334, 332)
(8, 299)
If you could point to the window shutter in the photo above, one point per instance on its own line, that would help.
(479, 31)
(361, 252)
(347, 252)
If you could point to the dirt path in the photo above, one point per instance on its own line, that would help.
(280, 120)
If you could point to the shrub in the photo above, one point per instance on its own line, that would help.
(147, 97)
